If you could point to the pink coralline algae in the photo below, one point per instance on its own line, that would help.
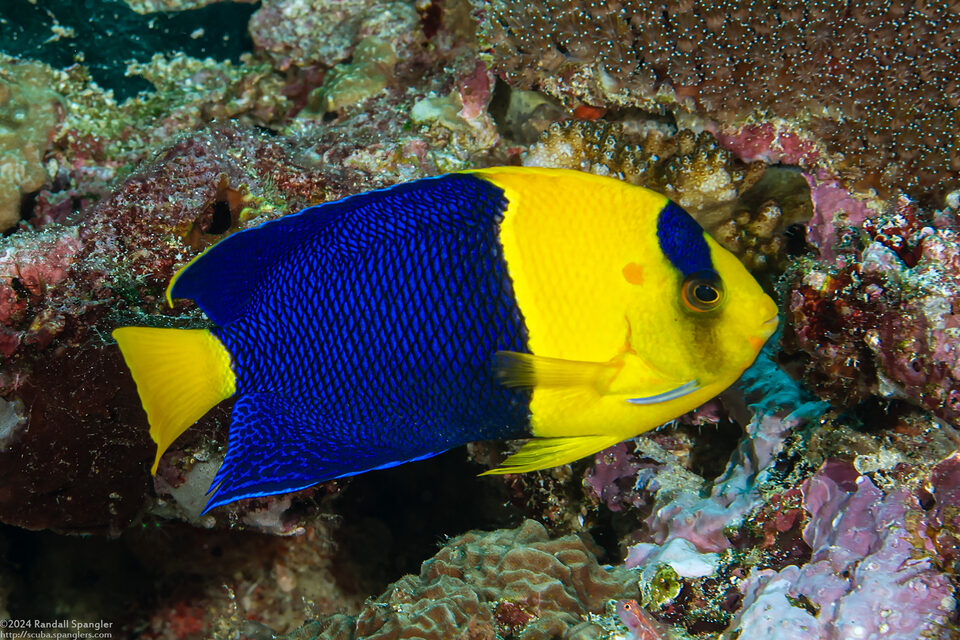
(833, 206)
(704, 521)
(28, 269)
(876, 315)
(771, 142)
(864, 579)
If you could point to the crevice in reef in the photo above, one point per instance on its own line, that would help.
(395, 518)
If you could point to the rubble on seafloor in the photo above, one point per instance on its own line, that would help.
(815, 506)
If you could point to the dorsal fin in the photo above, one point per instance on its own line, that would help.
(226, 277)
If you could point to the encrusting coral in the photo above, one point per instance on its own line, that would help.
(876, 81)
(877, 313)
(28, 117)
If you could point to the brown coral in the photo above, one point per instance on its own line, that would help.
(502, 584)
(875, 80)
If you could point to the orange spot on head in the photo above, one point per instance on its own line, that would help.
(757, 343)
(633, 273)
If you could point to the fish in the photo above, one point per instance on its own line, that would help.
(572, 310)
(640, 624)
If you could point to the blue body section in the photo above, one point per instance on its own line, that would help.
(681, 240)
(362, 334)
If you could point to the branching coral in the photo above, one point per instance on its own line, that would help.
(877, 81)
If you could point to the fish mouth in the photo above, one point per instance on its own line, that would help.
(766, 330)
(769, 326)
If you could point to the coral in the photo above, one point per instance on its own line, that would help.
(464, 109)
(835, 69)
(28, 116)
(505, 583)
(367, 73)
(137, 189)
(862, 580)
(63, 288)
(942, 524)
(313, 32)
(188, 94)
(876, 317)
(746, 207)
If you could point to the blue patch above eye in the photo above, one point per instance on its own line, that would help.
(681, 240)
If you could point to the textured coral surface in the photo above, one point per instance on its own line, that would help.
(28, 115)
(502, 584)
(817, 498)
(875, 81)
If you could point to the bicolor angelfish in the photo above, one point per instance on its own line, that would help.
(390, 326)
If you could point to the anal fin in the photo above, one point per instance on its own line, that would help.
(279, 444)
(543, 453)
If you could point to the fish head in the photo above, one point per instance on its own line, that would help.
(707, 326)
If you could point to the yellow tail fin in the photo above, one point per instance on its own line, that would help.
(180, 374)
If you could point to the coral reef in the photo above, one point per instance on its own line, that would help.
(834, 69)
(813, 503)
(28, 116)
(137, 189)
(501, 584)
(875, 316)
(368, 72)
(313, 32)
(803, 498)
(863, 580)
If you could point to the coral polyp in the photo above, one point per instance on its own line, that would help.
(875, 81)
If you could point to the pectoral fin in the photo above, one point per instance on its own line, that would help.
(625, 375)
(543, 453)
(527, 370)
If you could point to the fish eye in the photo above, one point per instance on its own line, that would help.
(702, 291)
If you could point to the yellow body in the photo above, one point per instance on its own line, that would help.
(604, 316)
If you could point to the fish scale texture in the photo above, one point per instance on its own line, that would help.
(367, 336)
